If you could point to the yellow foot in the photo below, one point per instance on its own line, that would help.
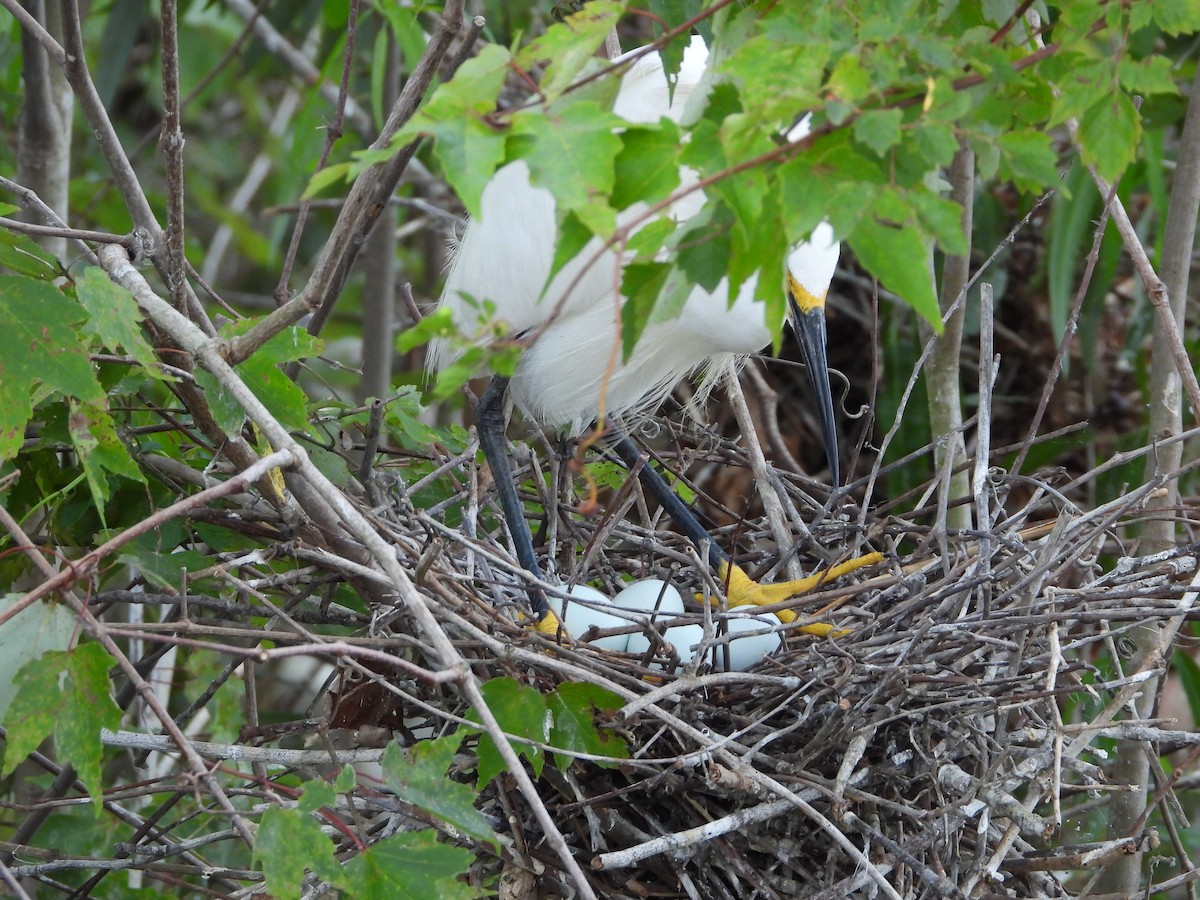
(742, 590)
(549, 625)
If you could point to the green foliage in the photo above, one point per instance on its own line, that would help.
(411, 866)
(892, 91)
(418, 776)
(565, 718)
(261, 373)
(64, 693)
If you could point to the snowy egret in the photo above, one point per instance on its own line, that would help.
(569, 375)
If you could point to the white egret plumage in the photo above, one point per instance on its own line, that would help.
(573, 372)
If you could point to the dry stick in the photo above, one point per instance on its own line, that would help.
(758, 465)
(332, 134)
(988, 367)
(208, 353)
(367, 197)
(144, 688)
(171, 142)
(928, 349)
(279, 46)
(1068, 336)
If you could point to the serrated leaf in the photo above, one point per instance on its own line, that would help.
(570, 45)
(849, 82)
(942, 218)
(647, 168)
(1109, 133)
(114, 317)
(41, 346)
(37, 629)
(1176, 16)
(1153, 75)
(22, 255)
(879, 129)
(418, 776)
(570, 152)
(33, 710)
(288, 843)
(1028, 158)
(897, 257)
(469, 148)
(641, 283)
(574, 706)
(315, 795)
(165, 568)
(278, 393)
(411, 866)
(521, 712)
(1189, 676)
(337, 173)
(87, 708)
(100, 451)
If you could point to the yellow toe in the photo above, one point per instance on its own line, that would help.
(742, 590)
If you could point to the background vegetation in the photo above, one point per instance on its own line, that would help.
(244, 544)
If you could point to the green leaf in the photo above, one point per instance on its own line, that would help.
(1153, 75)
(288, 843)
(278, 393)
(114, 317)
(438, 324)
(41, 347)
(570, 152)
(641, 282)
(469, 147)
(879, 129)
(337, 173)
(940, 217)
(33, 710)
(575, 706)
(570, 45)
(897, 256)
(22, 255)
(1189, 676)
(520, 711)
(849, 82)
(411, 866)
(1108, 135)
(316, 795)
(1176, 16)
(37, 629)
(418, 776)
(647, 168)
(87, 708)
(1028, 158)
(100, 451)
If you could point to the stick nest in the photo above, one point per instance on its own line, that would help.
(950, 741)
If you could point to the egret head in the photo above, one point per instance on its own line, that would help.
(810, 270)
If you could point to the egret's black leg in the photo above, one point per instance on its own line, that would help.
(631, 456)
(489, 418)
(740, 587)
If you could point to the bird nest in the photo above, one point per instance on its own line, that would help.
(934, 746)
